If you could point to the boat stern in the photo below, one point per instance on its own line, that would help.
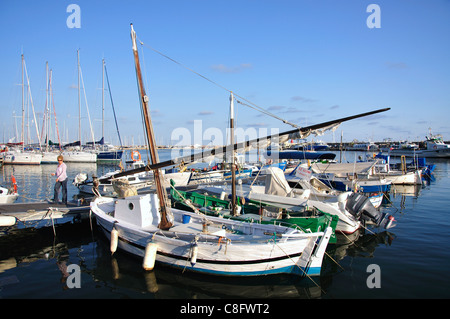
(310, 262)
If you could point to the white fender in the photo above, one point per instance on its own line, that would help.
(7, 220)
(150, 256)
(194, 253)
(114, 240)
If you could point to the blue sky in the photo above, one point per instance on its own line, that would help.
(305, 61)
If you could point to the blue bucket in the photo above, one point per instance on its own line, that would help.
(186, 219)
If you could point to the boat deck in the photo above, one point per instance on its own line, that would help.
(37, 206)
(42, 214)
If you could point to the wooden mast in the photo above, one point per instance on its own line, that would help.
(241, 145)
(166, 214)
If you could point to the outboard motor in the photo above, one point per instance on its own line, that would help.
(360, 206)
(80, 179)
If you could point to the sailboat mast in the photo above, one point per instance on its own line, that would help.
(233, 167)
(52, 104)
(161, 191)
(23, 105)
(47, 109)
(103, 98)
(79, 97)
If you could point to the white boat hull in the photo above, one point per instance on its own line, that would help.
(206, 177)
(410, 178)
(376, 199)
(432, 153)
(6, 197)
(49, 158)
(220, 252)
(79, 157)
(108, 189)
(346, 224)
(22, 158)
(140, 182)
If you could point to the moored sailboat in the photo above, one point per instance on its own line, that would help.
(49, 154)
(21, 156)
(106, 152)
(77, 154)
(18, 157)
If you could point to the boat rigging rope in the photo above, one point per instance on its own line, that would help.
(114, 111)
(300, 268)
(187, 202)
(142, 110)
(253, 105)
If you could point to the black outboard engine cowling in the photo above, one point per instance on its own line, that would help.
(356, 203)
(360, 206)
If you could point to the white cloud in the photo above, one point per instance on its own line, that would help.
(205, 113)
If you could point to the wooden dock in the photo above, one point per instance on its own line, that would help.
(41, 214)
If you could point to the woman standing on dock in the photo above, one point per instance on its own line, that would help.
(61, 181)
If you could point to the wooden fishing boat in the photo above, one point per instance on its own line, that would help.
(353, 209)
(318, 189)
(206, 244)
(404, 175)
(142, 181)
(220, 172)
(145, 226)
(308, 219)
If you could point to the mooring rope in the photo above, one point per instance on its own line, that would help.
(253, 105)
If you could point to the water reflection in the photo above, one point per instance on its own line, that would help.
(121, 275)
(35, 183)
(126, 271)
(31, 244)
(37, 253)
(26, 249)
(405, 190)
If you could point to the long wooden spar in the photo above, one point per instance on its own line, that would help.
(237, 146)
(166, 217)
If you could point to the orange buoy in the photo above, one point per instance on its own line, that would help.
(136, 156)
(14, 183)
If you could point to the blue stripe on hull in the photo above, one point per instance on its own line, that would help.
(294, 270)
(364, 189)
(110, 156)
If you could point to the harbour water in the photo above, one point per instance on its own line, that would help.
(410, 260)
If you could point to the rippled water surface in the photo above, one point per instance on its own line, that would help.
(413, 257)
